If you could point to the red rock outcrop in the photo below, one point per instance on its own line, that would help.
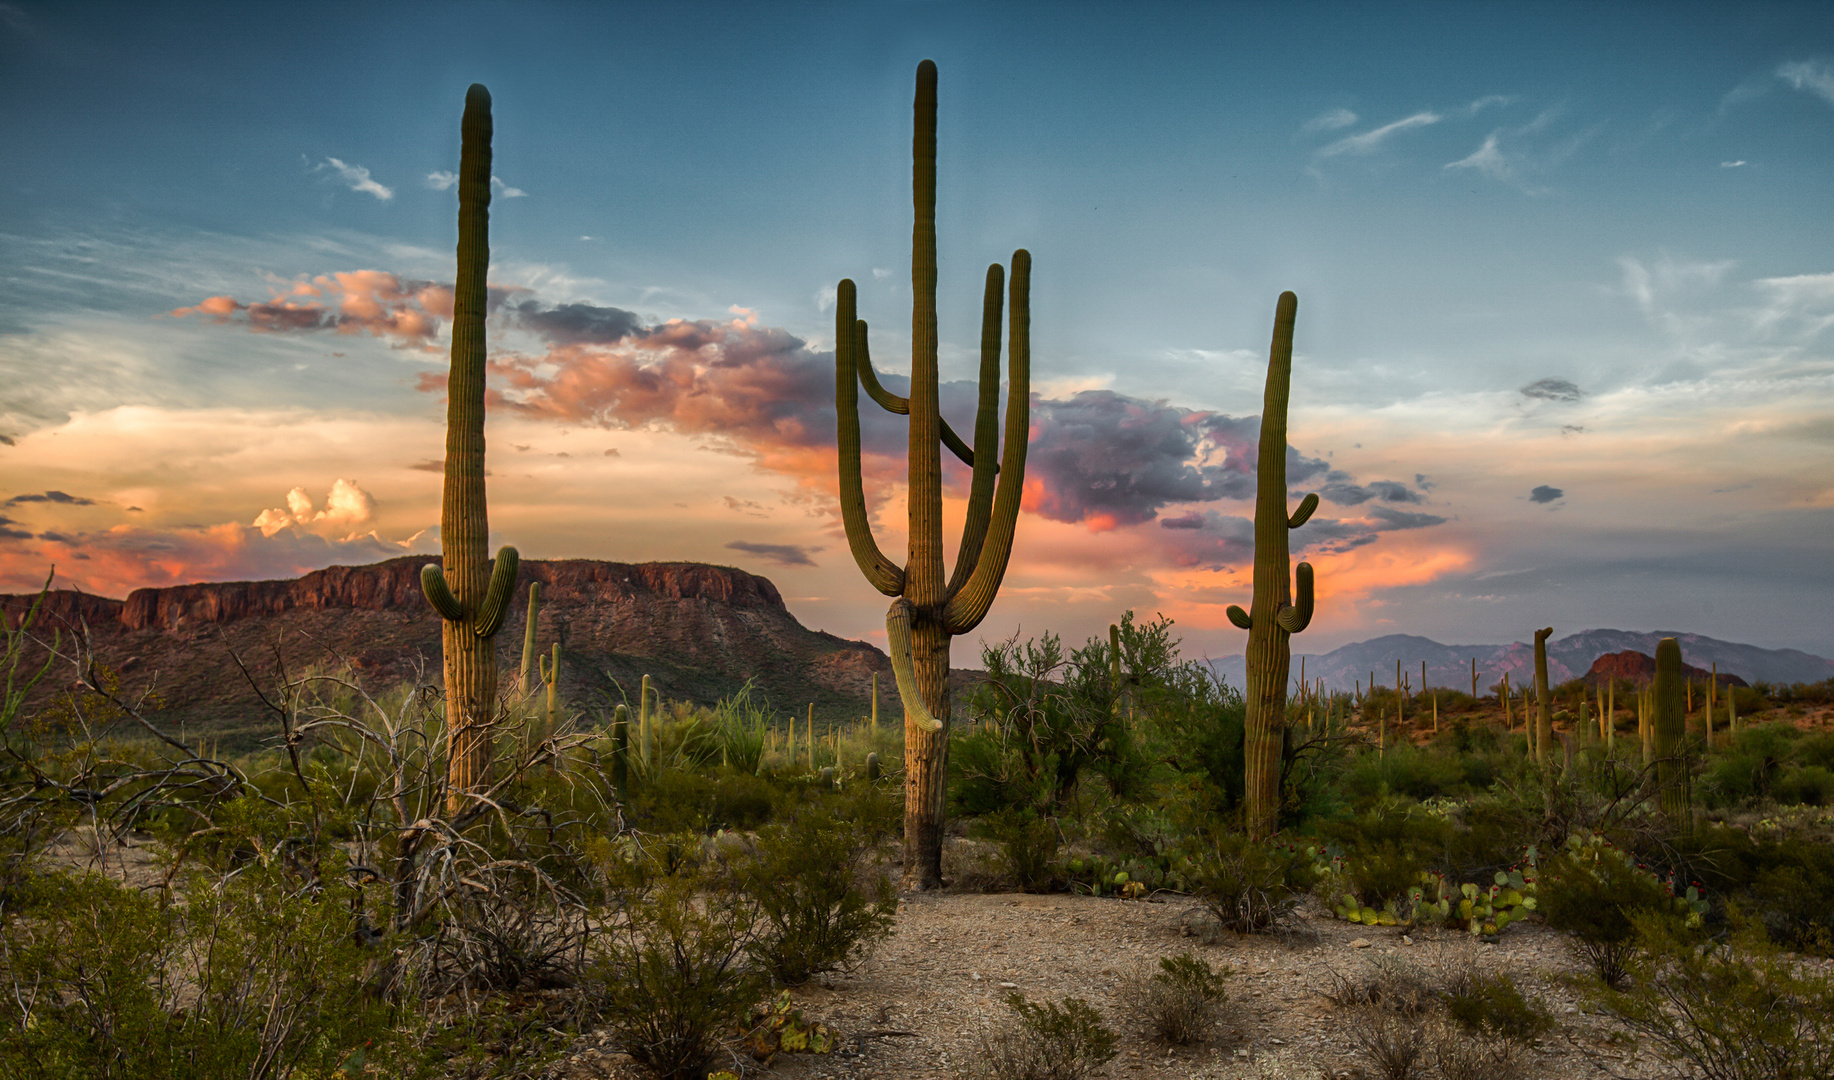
(1639, 667)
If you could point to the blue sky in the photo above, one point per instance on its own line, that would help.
(1544, 248)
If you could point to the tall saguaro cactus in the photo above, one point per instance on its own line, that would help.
(1274, 615)
(1544, 716)
(929, 609)
(472, 594)
(1669, 731)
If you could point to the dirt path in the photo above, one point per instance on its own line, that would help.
(944, 972)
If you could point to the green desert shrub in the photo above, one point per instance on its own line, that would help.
(819, 885)
(247, 976)
(668, 975)
(1183, 1000)
(1737, 1008)
(1027, 844)
(1489, 1005)
(1592, 892)
(1248, 886)
(1047, 1041)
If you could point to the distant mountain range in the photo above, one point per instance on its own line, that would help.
(1567, 658)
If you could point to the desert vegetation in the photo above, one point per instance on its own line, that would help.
(474, 877)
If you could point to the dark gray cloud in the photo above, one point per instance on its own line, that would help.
(50, 497)
(57, 537)
(1105, 455)
(1342, 491)
(1192, 520)
(1551, 389)
(1424, 484)
(780, 554)
(1389, 520)
(1546, 494)
(578, 324)
(7, 532)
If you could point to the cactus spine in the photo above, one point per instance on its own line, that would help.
(1544, 716)
(1274, 615)
(929, 609)
(1670, 731)
(471, 594)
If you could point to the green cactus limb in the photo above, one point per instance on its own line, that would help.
(1273, 616)
(433, 584)
(526, 683)
(898, 638)
(620, 750)
(1668, 728)
(933, 606)
(1544, 723)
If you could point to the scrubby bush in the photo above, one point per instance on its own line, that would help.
(1459, 1055)
(1731, 1009)
(1592, 892)
(248, 976)
(1386, 983)
(818, 881)
(1183, 1000)
(1248, 886)
(1393, 1046)
(1047, 1041)
(667, 975)
(1489, 1005)
(1028, 846)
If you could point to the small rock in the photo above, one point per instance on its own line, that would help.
(1009, 986)
(975, 975)
(1360, 943)
(1405, 940)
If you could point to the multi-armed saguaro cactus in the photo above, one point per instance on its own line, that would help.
(1274, 615)
(1669, 731)
(930, 609)
(1544, 716)
(472, 595)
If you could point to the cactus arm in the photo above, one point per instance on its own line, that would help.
(969, 605)
(497, 595)
(986, 433)
(433, 583)
(1304, 513)
(849, 346)
(898, 639)
(1240, 617)
(527, 681)
(892, 403)
(1299, 615)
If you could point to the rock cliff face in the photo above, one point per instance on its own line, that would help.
(1641, 668)
(699, 631)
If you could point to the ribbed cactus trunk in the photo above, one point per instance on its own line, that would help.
(1544, 714)
(1669, 732)
(1273, 617)
(931, 608)
(526, 684)
(471, 595)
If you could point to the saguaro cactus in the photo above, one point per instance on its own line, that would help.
(930, 609)
(1544, 715)
(472, 594)
(526, 685)
(1669, 731)
(1274, 615)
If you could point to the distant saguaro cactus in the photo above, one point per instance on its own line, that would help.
(1544, 715)
(472, 594)
(1274, 615)
(1669, 731)
(929, 610)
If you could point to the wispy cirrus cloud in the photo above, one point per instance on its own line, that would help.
(1369, 141)
(1329, 120)
(444, 180)
(1809, 76)
(357, 177)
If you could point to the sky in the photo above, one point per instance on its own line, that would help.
(1565, 345)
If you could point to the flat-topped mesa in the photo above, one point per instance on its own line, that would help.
(395, 585)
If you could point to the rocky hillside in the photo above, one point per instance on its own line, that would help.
(1637, 667)
(699, 631)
